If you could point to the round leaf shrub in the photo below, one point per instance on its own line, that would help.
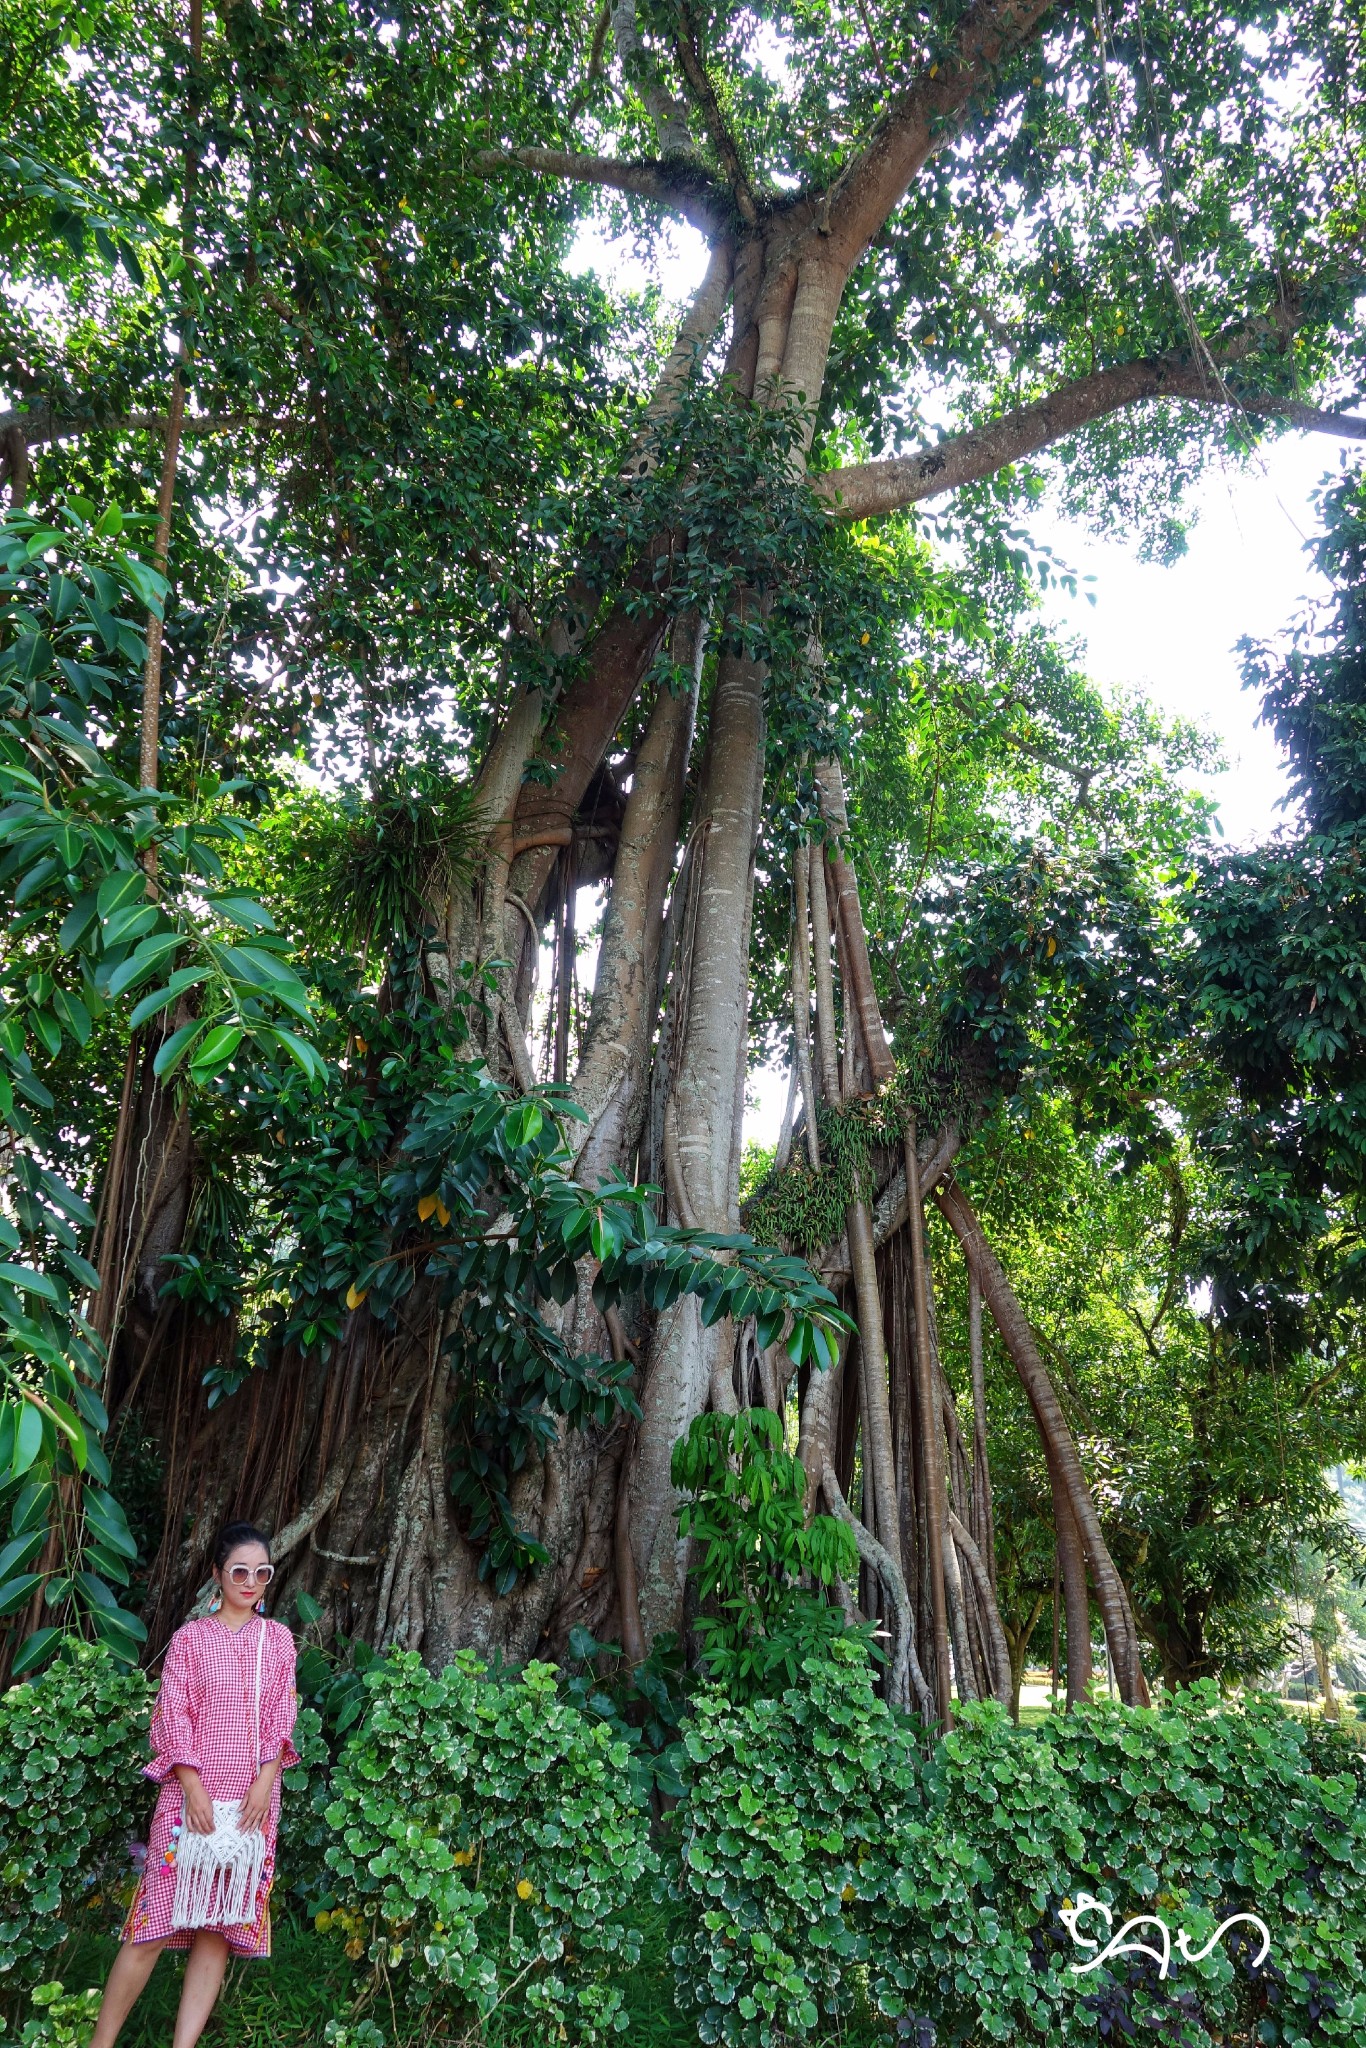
(72, 1797)
(1192, 1811)
(787, 1846)
(490, 1845)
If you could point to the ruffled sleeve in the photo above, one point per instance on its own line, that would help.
(279, 1701)
(174, 1733)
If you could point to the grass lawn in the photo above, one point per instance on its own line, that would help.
(287, 2002)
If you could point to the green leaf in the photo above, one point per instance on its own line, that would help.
(216, 1052)
(144, 961)
(183, 978)
(74, 1015)
(33, 1502)
(20, 1551)
(36, 1649)
(77, 921)
(28, 1439)
(118, 890)
(301, 1052)
(175, 1048)
(47, 1030)
(133, 921)
(15, 1592)
(31, 1282)
(242, 911)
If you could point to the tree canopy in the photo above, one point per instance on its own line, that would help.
(383, 594)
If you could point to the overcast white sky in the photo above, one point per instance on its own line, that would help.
(1170, 631)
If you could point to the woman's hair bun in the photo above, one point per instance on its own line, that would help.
(232, 1536)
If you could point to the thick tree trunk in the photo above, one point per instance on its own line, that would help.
(690, 1365)
(373, 1528)
(612, 1078)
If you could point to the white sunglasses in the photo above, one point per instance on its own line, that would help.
(251, 1574)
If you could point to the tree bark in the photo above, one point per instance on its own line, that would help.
(932, 1438)
(830, 784)
(1013, 1325)
(686, 1359)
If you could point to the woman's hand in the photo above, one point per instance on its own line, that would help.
(256, 1805)
(198, 1805)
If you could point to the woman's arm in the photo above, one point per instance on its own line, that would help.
(174, 1732)
(280, 1704)
(256, 1805)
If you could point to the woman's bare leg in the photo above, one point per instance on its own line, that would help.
(204, 1968)
(133, 1965)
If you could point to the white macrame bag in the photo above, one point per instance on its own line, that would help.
(217, 1876)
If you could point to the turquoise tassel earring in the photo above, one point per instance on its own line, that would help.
(217, 1600)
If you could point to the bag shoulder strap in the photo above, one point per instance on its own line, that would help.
(256, 1718)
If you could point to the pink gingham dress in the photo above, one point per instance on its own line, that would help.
(204, 1716)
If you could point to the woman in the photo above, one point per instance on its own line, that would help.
(205, 1747)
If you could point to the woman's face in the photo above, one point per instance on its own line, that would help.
(242, 1579)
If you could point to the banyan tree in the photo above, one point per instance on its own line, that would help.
(1005, 218)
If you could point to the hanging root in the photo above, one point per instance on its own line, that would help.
(516, 1039)
(1003, 1684)
(906, 1672)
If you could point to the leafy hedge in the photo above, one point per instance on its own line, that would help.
(818, 1837)
(72, 1746)
(484, 1841)
(489, 1843)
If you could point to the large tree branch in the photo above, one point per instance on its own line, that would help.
(640, 68)
(688, 44)
(35, 424)
(867, 489)
(923, 117)
(685, 187)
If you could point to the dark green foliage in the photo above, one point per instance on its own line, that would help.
(806, 1209)
(1190, 1810)
(818, 1836)
(72, 1799)
(391, 859)
(88, 946)
(490, 1845)
(481, 1844)
(383, 1181)
(756, 1559)
(1279, 936)
(788, 1841)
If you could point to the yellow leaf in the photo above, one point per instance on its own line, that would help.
(361, 1046)
(863, 639)
(525, 1888)
(463, 1858)
(1052, 948)
(848, 1895)
(354, 1300)
(443, 1214)
(426, 1207)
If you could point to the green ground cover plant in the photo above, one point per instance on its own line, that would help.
(481, 1857)
(489, 1844)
